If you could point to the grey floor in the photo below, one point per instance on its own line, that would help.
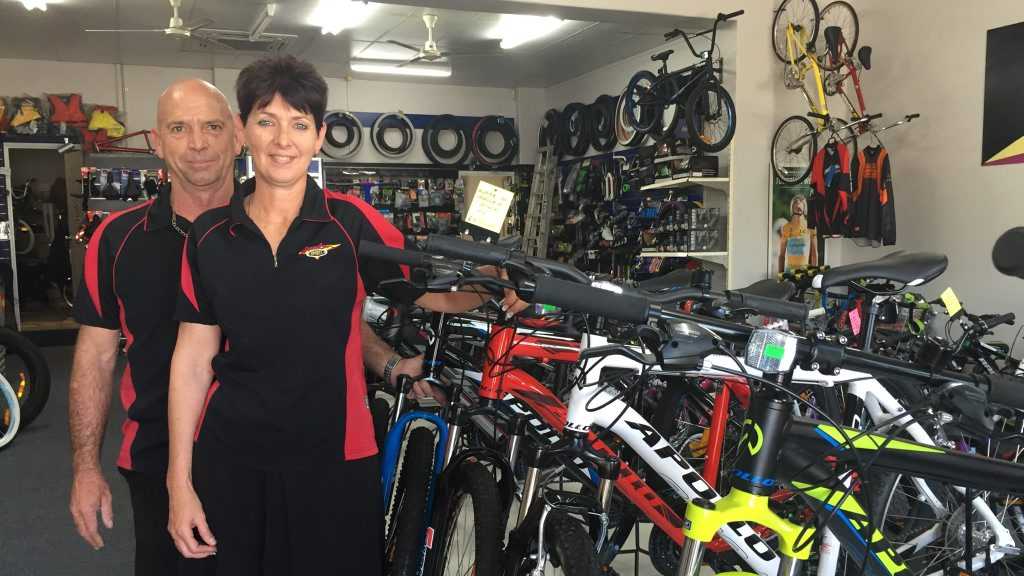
(37, 536)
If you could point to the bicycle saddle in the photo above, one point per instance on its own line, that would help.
(770, 288)
(674, 279)
(910, 268)
(663, 56)
(864, 55)
(832, 36)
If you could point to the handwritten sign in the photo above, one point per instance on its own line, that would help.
(489, 207)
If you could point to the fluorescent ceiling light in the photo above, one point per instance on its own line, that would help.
(515, 29)
(34, 4)
(333, 16)
(439, 70)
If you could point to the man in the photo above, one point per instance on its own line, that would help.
(130, 286)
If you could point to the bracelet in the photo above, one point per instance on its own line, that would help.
(390, 367)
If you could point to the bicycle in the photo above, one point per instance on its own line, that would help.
(695, 92)
(10, 413)
(826, 354)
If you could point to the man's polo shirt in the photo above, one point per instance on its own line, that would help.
(289, 386)
(130, 283)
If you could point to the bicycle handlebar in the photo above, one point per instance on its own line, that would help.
(590, 300)
(723, 17)
(795, 311)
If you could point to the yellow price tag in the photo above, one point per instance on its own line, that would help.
(950, 301)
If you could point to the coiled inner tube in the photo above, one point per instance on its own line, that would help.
(602, 123)
(344, 135)
(510, 145)
(549, 128)
(393, 121)
(431, 141)
(574, 133)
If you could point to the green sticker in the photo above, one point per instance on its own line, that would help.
(774, 351)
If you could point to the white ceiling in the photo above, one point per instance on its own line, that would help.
(589, 41)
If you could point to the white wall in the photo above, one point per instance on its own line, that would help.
(946, 201)
(98, 84)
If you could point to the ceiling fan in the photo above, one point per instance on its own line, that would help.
(429, 52)
(215, 37)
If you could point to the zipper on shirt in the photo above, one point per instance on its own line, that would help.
(275, 259)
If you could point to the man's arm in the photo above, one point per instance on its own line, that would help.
(89, 404)
(377, 353)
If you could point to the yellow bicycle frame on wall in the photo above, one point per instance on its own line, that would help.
(796, 44)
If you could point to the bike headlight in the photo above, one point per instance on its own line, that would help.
(771, 351)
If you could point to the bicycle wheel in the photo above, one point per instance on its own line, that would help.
(473, 527)
(407, 522)
(710, 118)
(793, 148)
(10, 413)
(625, 134)
(641, 102)
(569, 547)
(22, 364)
(803, 15)
(841, 15)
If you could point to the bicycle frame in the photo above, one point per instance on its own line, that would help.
(796, 44)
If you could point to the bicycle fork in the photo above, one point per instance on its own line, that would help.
(753, 483)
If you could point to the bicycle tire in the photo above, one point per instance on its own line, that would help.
(475, 484)
(575, 124)
(404, 550)
(380, 410)
(824, 58)
(798, 169)
(32, 384)
(569, 547)
(779, 28)
(646, 118)
(10, 413)
(625, 134)
(699, 108)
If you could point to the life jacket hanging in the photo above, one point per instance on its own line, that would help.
(66, 109)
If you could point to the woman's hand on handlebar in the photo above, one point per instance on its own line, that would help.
(511, 304)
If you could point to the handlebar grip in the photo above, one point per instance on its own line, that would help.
(1005, 390)
(590, 300)
(910, 117)
(1008, 318)
(729, 16)
(451, 247)
(770, 306)
(874, 116)
(395, 255)
(673, 34)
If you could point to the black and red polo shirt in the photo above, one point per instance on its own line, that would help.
(289, 386)
(130, 282)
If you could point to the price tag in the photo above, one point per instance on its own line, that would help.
(490, 206)
(950, 301)
(855, 321)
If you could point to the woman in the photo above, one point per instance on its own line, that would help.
(267, 375)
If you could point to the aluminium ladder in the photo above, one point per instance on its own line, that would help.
(538, 211)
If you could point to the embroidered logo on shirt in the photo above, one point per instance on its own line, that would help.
(317, 252)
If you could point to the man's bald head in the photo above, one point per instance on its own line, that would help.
(196, 134)
(190, 89)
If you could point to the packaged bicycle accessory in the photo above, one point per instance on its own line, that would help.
(704, 166)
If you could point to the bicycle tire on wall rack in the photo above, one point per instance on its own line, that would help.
(393, 121)
(574, 130)
(510, 146)
(602, 123)
(432, 146)
(353, 141)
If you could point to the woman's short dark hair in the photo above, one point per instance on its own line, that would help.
(297, 81)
